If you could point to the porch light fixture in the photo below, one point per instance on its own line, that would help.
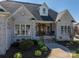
(72, 21)
(23, 14)
(1, 10)
(59, 20)
(32, 18)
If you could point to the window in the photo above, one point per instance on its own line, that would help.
(62, 29)
(17, 27)
(22, 29)
(65, 28)
(27, 29)
(44, 10)
(69, 29)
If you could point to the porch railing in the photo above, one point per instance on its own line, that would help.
(51, 33)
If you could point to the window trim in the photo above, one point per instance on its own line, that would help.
(62, 29)
(44, 10)
(20, 30)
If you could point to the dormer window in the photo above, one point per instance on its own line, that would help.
(44, 10)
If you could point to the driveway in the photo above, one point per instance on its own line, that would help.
(58, 51)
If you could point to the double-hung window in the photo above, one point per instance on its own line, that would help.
(17, 29)
(62, 29)
(27, 29)
(69, 29)
(22, 29)
(65, 28)
(44, 10)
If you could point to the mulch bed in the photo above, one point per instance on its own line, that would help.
(29, 53)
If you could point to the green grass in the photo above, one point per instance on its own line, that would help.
(75, 55)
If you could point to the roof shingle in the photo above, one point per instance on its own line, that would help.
(12, 6)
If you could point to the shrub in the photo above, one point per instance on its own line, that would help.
(41, 43)
(15, 44)
(77, 50)
(76, 42)
(35, 42)
(18, 55)
(26, 44)
(44, 48)
(38, 52)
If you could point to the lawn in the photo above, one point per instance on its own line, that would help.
(75, 55)
(27, 49)
(73, 46)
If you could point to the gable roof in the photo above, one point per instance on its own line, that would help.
(65, 12)
(12, 6)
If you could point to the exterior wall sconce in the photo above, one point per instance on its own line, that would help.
(32, 18)
(59, 20)
(23, 14)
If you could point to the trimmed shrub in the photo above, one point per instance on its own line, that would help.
(35, 42)
(26, 44)
(41, 43)
(18, 55)
(44, 48)
(38, 53)
(76, 42)
(77, 51)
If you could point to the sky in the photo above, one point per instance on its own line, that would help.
(60, 5)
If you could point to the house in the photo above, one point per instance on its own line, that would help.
(77, 29)
(28, 20)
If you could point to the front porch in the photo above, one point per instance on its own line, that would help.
(45, 29)
(35, 30)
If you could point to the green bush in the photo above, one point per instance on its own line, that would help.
(44, 48)
(26, 44)
(35, 42)
(38, 53)
(18, 55)
(76, 42)
(77, 50)
(41, 43)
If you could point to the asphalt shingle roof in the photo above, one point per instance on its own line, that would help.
(12, 6)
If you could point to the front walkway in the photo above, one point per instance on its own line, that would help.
(58, 51)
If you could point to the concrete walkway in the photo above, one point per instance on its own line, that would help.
(58, 51)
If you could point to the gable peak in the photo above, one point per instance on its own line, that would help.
(45, 4)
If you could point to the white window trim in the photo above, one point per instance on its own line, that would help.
(20, 30)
